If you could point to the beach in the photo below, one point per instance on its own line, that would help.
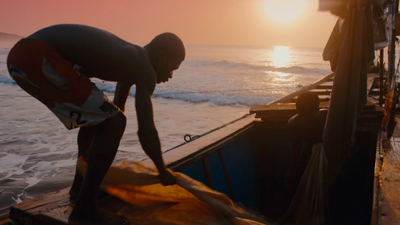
(214, 86)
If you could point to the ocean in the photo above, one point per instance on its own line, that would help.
(214, 86)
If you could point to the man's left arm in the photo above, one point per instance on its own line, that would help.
(121, 94)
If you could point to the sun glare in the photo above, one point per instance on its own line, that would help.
(283, 10)
(281, 56)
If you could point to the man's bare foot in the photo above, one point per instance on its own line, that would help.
(100, 218)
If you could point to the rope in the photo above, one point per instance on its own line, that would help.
(188, 138)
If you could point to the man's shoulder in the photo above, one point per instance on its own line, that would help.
(294, 122)
(143, 71)
(141, 60)
(323, 113)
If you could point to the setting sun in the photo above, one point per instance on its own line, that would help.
(283, 10)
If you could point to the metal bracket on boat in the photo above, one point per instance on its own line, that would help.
(188, 138)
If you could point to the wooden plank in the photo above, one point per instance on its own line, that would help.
(325, 86)
(280, 107)
(44, 209)
(322, 98)
(228, 179)
(5, 218)
(321, 92)
(377, 170)
(292, 106)
(388, 177)
(371, 79)
(207, 172)
(44, 200)
(305, 89)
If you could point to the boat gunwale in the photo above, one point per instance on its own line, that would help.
(207, 144)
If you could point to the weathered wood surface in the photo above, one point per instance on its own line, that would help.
(53, 208)
(386, 210)
(5, 218)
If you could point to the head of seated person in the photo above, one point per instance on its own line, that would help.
(307, 105)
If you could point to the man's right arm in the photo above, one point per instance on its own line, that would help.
(148, 134)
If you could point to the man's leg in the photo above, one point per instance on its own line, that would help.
(101, 154)
(85, 138)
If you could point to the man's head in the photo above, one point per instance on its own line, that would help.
(166, 52)
(307, 105)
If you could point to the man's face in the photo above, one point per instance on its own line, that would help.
(166, 67)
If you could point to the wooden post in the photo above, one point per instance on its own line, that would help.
(381, 67)
(228, 180)
(392, 76)
(207, 172)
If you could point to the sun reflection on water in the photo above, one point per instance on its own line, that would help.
(282, 77)
(281, 56)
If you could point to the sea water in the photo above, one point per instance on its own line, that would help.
(213, 86)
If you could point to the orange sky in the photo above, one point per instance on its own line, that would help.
(219, 22)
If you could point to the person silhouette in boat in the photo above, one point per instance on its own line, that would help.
(55, 65)
(306, 129)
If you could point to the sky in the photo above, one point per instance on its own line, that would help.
(295, 23)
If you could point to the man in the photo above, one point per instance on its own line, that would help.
(54, 65)
(306, 128)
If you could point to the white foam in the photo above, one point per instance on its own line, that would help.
(12, 164)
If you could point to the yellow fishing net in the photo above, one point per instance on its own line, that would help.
(187, 202)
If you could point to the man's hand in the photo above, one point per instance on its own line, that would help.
(167, 177)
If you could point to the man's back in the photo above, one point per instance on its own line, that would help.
(99, 52)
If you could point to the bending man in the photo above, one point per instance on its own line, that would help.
(54, 66)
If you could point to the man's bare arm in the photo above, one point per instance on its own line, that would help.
(121, 94)
(148, 134)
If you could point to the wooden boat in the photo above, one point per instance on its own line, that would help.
(247, 160)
